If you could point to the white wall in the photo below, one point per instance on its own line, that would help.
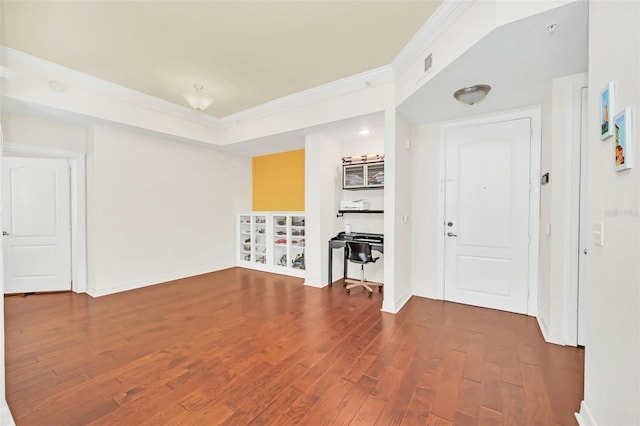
(559, 210)
(612, 370)
(426, 250)
(159, 209)
(5, 414)
(401, 213)
(44, 133)
(322, 195)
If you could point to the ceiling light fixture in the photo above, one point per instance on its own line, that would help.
(197, 99)
(364, 132)
(472, 94)
(57, 86)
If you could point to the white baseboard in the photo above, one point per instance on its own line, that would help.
(394, 308)
(543, 329)
(584, 417)
(158, 279)
(6, 419)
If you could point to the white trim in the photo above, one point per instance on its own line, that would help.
(394, 308)
(544, 330)
(584, 417)
(570, 329)
(351, 84)
(106, 289)
(6, 419)
(435, 25)
(78, 206)
(535, 115)
(112, 90)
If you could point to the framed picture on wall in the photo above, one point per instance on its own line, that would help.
(606, 109)
(623, 139)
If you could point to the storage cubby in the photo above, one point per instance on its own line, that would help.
(272, 241)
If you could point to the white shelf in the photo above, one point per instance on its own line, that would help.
(264, 229)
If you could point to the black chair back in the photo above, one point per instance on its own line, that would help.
(359, 252)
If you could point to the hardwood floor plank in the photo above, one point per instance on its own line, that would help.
(346, 410)
(448, 385)
(473, 357)
(492, 395)
(246, 347)
(514, 406)
(419, 408)
(489, 417)
(369, 412)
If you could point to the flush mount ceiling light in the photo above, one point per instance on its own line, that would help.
(197, 99)
(473, 94)
(57, 86)
(364, 132)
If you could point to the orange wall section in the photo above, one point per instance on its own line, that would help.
(278, 181)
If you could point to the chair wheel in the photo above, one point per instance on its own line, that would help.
(348, 291)
(380, 289)
(370, 293)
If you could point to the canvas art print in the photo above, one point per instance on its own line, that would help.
(622, 131)
(606, 107)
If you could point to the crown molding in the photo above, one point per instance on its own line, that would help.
(354, 83)
(435, 25)
(73, 78)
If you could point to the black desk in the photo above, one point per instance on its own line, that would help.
(340, 240)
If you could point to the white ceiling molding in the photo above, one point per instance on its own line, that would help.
(72, 78)
(418, 46)
(355, 83)
(97, 98)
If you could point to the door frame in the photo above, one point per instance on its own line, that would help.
(576, 141)
(535, 115)
(78, 204)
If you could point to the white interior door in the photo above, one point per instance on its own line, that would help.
(487, 215)
(36, 225)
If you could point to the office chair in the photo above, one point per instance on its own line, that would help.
(359, 252)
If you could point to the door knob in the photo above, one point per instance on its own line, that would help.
(451, 234)
(5, 233)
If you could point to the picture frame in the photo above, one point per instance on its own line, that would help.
(623, 148)
(606, 111)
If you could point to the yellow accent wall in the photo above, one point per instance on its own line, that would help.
(278, 181)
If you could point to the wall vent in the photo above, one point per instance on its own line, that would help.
(428, 61)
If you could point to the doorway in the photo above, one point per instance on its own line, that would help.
(36, 224)
(489, 216)
(76, 161)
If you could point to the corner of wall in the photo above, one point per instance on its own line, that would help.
(584, 416)
(5, 414)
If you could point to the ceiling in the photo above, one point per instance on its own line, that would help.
(248, 53)
(518, 60)
(244, 53)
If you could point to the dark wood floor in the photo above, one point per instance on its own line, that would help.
(243, 347)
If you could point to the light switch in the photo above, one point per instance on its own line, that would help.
(598, 234)
(547, 229)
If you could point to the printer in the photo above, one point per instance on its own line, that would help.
(354, 205)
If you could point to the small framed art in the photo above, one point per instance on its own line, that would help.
(622, 129)
(606, 108)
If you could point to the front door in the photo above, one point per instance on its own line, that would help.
(487, 215)
(36, 225)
